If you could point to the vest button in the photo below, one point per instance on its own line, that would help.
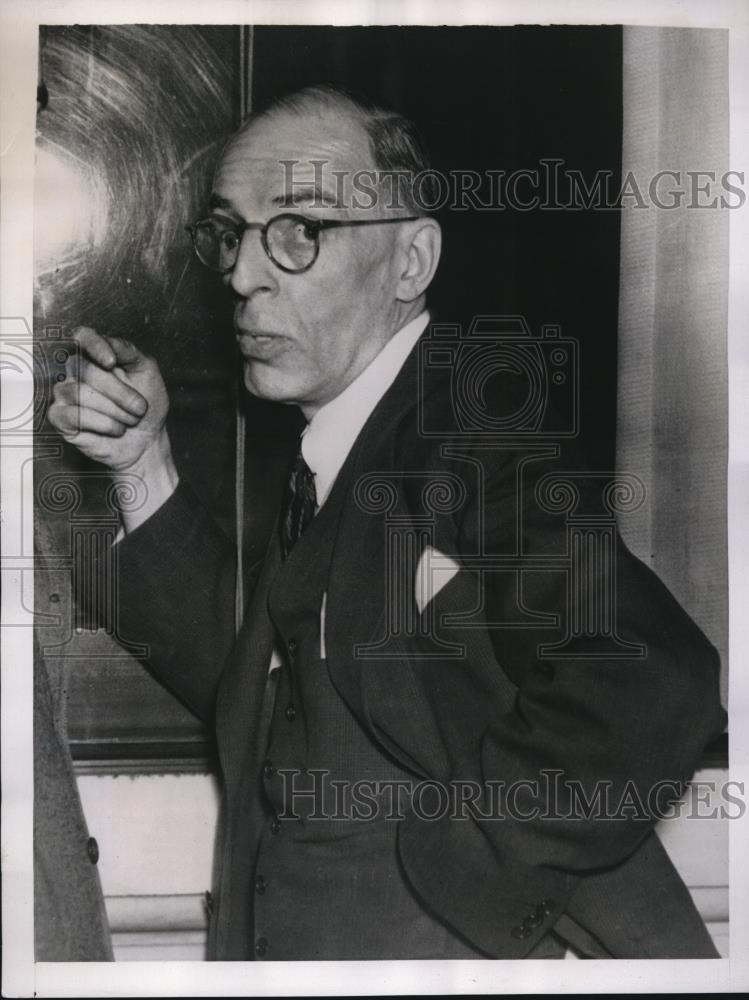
(268, 770)
(275, 825)
(261, 947)
(521, 933)
(92, 849)
(260, 885)
(290, 712)
(548, 906)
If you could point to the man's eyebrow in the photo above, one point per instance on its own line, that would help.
(304, 193)
(218, 201)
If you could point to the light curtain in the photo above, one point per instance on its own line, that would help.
(672, 425)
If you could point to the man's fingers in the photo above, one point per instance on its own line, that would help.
(127, 354)
(83, 395)
(71, 420)
(94, 346)
(106, 351)
(96, 446)
(109, 385)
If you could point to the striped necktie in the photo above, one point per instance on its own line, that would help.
(300, 503)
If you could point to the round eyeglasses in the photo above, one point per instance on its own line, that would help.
(291, 241)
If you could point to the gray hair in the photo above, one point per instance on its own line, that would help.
(395, 143)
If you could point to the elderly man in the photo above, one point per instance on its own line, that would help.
(411, 744)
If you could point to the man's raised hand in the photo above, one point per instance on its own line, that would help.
(113, 403)
(113, 406)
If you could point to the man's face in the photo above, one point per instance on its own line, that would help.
(305, 337)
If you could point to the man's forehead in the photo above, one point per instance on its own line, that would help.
(272, 150)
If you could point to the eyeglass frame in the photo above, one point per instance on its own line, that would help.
(317, 225)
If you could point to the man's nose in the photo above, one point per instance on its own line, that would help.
(254, 271)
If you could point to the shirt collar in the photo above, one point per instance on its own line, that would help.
(329, 436)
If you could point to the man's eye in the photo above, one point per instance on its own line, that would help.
(229, 239)
(306, 229)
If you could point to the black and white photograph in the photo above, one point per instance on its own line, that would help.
(374, 484)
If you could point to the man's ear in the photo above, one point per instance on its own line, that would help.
(421, 245)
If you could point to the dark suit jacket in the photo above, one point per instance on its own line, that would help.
(500, 712)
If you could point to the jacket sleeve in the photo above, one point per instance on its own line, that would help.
(175, 595)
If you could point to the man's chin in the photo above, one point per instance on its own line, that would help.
(269, 384)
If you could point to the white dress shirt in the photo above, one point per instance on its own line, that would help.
(329, 436)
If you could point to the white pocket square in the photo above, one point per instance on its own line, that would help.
(435, 571)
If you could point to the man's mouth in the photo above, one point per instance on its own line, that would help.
(259, 344)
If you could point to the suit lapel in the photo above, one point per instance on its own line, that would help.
(358, 585)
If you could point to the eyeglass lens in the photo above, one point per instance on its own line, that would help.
(290, 242)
